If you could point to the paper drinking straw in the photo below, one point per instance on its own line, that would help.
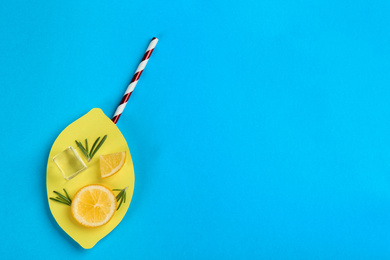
(134, 80)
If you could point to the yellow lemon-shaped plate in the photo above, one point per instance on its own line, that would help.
(91, 126)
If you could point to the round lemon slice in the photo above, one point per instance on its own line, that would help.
(93, 205)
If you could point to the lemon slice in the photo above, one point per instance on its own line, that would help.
(93, 205)
(111, 163)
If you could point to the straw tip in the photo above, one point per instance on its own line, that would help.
(154, 38)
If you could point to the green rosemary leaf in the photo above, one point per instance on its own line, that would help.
(120, 203)
(124, 194)
(98, 146)
(65, 201)
(80, 144)
(60, 201)
(82, 149)
(86, 145)
(67, 195)
(94, 144)
(85, 152)
(116, 189)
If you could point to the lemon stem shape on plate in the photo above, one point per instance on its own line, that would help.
(94, 205)
(111, 163)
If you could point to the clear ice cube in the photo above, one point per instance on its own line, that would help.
(69, 163)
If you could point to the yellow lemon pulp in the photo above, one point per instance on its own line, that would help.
(111, 163)
(93, 205)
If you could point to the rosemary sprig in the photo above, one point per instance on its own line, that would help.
(86, 145)
(61, 198)
(95, 147)
(94, 144)
(121, 197)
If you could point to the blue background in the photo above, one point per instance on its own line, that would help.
(259, 129)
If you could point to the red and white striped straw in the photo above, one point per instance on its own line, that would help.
(134, 80)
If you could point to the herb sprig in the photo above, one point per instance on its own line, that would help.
(121, 197)
(95, 147)
(64, 199)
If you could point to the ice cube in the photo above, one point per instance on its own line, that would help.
(69, 163)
